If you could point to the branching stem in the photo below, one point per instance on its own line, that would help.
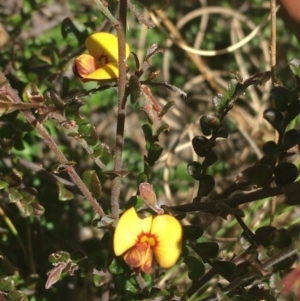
(7, 91)
(210, 206)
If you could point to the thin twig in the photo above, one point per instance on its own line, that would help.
(103, 8)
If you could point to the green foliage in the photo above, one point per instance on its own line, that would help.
(217, 166)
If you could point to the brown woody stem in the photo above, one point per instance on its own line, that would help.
(122, 96)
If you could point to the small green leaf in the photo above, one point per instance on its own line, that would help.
(206, 250)
(280, 239)
(290, 138)
(100, 278)
(210, 158)
(222, 133)
(143, 177)
(295, 66)
(285, 173)
(65, 85)
(195, 170)
(225, 268)
(163, 128)
(32, 94)
(63, 193)
(37, 209)
(221, 102)
(292, 194)
(156, 292)
(13, 179)
(201, 145)
(7, 284)
(3, 184)
(54, 98)
(208, 123)
(115, 267)
(68, 27)
(73, 112)
(166, 108)
(29, 194)
(102, 222)
(129, 286)
(292, 111)
(14, 195)
(275, 118)
(154, 153)
(17, 296)
(103, 152)
(147, 129)
(88, 133)
(232, 87)
(60, 256)
(92, 182)
(270, 149)
(196, 267)
(192, 231)
(262, 235)
(281, 97)
(135, 201)
(207, 184)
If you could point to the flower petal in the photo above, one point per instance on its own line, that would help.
(104, 45)
(168, 233)
(107, 72)
(128, 229)
(140, 256)
(84, 65)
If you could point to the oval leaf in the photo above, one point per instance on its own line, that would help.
(206, 250)
(63, 193)
(257, 175)
(92, 182)
(195, 267)
(285, 173)
(281, 97)
(275, 118)
(195, 170)
(201, 145)
(210, 158)
(192, 231)
(295, 66)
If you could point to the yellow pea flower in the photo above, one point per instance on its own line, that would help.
(102, 61)
(139, 239)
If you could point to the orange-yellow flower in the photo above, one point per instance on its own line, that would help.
(139, 238)
(102, 61)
